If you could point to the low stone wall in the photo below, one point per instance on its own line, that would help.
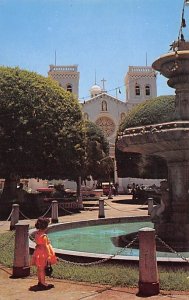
(97, 193)
(69, 205)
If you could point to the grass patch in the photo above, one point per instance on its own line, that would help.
(112, 274)
(7, 248)
(171, 278)
(174, 278)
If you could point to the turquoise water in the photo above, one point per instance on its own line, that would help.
(95, 239)
(98, 239)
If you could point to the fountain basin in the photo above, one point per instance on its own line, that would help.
(77, 232)
(173, 63)
(169, 140)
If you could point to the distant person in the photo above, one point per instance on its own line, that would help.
(113, 190)
(138, 192)
(116, 185)
(62, 189)
(133, 191)
(43, 253)
(59, 191)
(110, 192)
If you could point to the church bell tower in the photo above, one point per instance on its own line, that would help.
(67, 76)
(140, 85)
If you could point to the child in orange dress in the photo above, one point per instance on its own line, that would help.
(43, 253)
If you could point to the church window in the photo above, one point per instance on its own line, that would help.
(107, 125)
(122, 116)
(104, 106)
(69, 88)
(86, 116)
(147, 90)
(137, 90)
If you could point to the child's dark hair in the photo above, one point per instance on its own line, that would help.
(42, 223)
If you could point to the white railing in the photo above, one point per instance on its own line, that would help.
(63, 68)
(141, 69)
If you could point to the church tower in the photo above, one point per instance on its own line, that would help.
(140, 85)
(67, 76)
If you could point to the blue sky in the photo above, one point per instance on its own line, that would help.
(102, 35)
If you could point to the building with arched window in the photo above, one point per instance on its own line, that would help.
(69, 88)
(147, 90)
(137, 90)
(140, 85)
(104, 105)
(67, 76)
(102, 108)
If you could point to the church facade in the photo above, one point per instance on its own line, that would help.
(102, 108)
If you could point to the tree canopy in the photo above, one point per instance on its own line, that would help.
(96, 160)
(157, 110)
(40, 126)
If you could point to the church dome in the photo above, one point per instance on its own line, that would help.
(95, 90)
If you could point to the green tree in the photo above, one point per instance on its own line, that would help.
(95, 158)
(97, 162)
(158, 110)
(40, 128)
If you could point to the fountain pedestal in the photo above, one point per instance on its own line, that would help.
(175, 227)
(175, 230)
(170, 141)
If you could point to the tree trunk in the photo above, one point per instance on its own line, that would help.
(79, 195)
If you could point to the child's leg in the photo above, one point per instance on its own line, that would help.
(41, 275)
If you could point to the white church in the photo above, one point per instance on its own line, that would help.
(105, 110)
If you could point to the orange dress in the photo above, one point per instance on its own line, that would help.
(43, 251)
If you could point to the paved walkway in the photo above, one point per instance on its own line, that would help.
(18, 289)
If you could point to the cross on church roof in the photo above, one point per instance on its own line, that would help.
(103, 84)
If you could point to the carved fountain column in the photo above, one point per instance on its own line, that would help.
(170, 140)
(175, 66)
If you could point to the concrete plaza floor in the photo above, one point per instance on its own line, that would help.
(19, 289)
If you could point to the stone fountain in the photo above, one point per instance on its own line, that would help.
(170, 141)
